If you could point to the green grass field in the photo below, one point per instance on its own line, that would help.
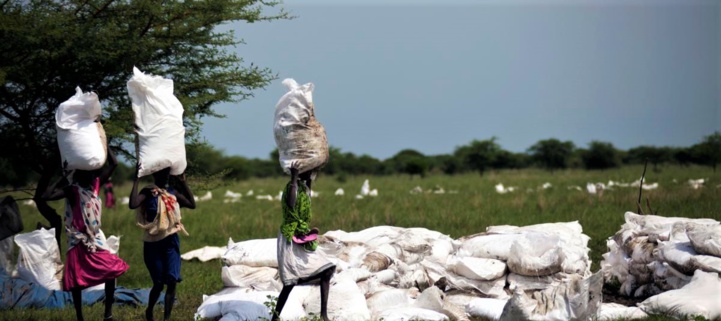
(475, 206)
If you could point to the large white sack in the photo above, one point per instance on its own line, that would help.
(262, 252)
(298, 134)
(231, 302)
(476, 268)
(676, 254)
(373, 236)
(205, 253)
(80, 138)
(615, 262)
(698, 298)
(577, 298)
(637, 224)
(345, 301)
(486, 308)
(39, 258)
(411, 313)
(706, 263)
(705, 239)
(158, 122)
(615, 311)
(535, 254)
(489, 246)
(437, 272)
(388, 299)
(256, 278)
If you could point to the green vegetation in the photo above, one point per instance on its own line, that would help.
(475, 206)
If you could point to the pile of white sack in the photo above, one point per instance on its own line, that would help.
(672, 261)
(393, 273)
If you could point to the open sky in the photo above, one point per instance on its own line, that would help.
(434, 75)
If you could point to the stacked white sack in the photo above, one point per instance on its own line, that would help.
(159, 124)
(652, 254)
(39, 258)
(391, 267)
(80, 135)
(298, 134)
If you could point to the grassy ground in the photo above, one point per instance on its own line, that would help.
(475, 206)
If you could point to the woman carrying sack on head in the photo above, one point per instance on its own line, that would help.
(298, 263)
(159, 215)
(88, 260)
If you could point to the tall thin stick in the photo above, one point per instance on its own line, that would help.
(640, 189)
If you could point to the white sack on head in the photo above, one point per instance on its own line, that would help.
(263, 252)
(159, 124)
(81, 137)
(298, 134)
(698, 298)
(39, 258)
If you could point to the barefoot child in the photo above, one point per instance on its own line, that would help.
(88, 260)
(159, 215)
(298, 263)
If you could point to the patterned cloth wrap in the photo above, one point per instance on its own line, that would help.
(168, 216)
(296, 221)
(82, 223)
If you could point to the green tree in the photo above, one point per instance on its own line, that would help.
(600, 155)
(708, 151)
(655, 155)
(409, 161)
(552, 153)
(479, 155)
(49, 47)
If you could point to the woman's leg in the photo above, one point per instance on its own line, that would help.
(169, 299)
(78, 303)
(109, 299)
(152, 299)
(324, 290)
(282, 298)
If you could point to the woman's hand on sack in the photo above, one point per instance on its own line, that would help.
(294, 169)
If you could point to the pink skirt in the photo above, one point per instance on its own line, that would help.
(84, 269)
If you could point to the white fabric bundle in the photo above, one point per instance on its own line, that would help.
(81, 137)
(298, 134)
(256, 253)
(159, 124)
(39, 258)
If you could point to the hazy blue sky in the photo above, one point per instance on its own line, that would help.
(433, 76)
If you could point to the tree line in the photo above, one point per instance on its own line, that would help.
(477, 156)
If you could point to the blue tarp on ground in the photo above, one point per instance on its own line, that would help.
(17, 294)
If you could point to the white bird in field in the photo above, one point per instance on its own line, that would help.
(546, 185)
(366, 188)
(250, 193)
(231, 194)
(373, 192)
(208, 196)
(339, 192)
(359, 197)
(125, 200)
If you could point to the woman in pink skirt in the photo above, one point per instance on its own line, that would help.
(88, 260)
